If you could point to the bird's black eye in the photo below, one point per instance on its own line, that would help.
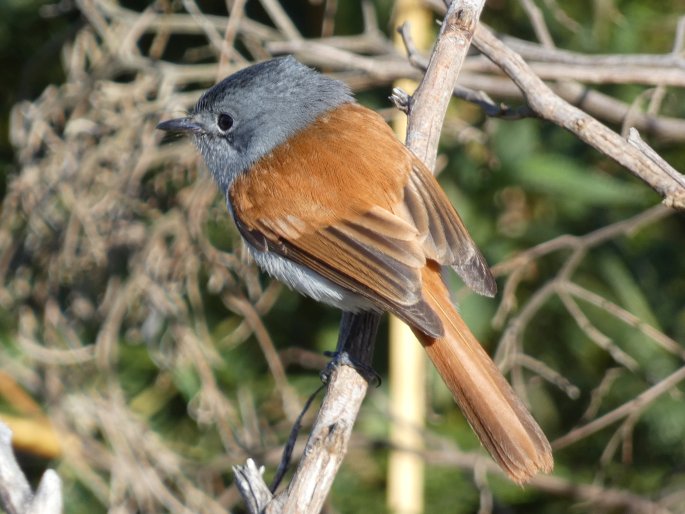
(224, 122)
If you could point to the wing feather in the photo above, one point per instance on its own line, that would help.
(447, 241)
(341, 254)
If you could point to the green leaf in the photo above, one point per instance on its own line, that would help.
(557, 175)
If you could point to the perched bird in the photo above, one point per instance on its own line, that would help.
(329, 202)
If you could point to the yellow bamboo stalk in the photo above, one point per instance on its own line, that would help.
(33, 435)
(407, 367)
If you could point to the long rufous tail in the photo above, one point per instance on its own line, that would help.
(499, 418)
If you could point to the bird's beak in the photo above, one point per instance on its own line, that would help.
(181, 125)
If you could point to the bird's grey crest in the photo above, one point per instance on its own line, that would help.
(283, 79)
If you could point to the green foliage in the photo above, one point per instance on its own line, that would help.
(576, 188)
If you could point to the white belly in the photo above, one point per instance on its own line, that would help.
(308, 282)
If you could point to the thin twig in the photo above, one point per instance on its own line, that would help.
(537, 20)
(646, 397)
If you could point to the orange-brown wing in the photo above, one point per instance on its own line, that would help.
(376, 255)
(447, 241)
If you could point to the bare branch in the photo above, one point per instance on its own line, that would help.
(429, 102)
(328, 440)
(552, 108)
(15, 492)
(635, 140)
(537, 20)
(252, 487)
(281, 19)
(646, 397)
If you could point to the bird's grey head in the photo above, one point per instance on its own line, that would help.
(249, 113)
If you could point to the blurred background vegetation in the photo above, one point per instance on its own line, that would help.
(135, 340)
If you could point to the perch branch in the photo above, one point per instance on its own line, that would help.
(429, 103)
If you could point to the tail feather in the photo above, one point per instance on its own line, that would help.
(499, 418)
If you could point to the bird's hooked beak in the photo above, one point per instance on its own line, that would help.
(188, 124)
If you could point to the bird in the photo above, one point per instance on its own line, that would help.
(331, 203)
